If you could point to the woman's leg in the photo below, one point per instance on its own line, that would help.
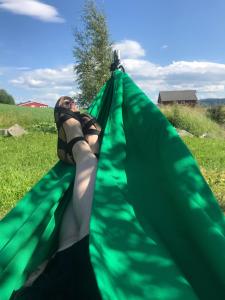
(83, 193)
(93, 141)
(76, 219)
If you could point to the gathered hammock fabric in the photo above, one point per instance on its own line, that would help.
(156, 229)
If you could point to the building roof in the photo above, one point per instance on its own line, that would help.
(32, 104)
(178, 95)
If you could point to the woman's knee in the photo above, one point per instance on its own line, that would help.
(82, 152)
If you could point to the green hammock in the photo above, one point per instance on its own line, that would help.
(156, 229)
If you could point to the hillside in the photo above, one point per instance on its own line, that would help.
(24, 116)
(194, 120)
(30, 118)
(212, 101)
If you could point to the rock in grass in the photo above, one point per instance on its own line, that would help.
(4, 132)
(205, 135)
(183, 132)
(16, 130)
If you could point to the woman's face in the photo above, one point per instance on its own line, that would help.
(68, 103)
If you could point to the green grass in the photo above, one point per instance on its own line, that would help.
(210, 155)
(24, 160)
(24, 116)
(209, 152)
(193, 119)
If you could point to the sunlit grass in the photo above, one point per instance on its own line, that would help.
(192, 119)
(210, 154)
(24, 161)
(24, 116)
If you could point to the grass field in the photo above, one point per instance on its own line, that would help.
(26, 159)
(25, 116)
(210, 155)
(194, 120)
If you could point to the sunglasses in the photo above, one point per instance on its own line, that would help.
(68, 103)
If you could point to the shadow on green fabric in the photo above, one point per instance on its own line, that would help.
(156, 229)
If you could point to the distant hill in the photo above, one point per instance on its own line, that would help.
(212, 101)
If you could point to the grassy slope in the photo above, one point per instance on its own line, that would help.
(193, 120)
(24, 116)
(26, 159)
(210, 154)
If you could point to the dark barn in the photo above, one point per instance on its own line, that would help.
(187, 97)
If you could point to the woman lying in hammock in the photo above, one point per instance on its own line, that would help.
(77, 144)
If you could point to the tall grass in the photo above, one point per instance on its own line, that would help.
(193, 119)
(217, 114)
(24, 116)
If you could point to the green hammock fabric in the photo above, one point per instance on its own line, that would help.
(156, 230)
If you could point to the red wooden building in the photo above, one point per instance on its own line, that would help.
(32, 104)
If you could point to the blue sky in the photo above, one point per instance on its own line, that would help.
(165, 45)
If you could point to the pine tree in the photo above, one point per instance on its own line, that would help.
(92, 52)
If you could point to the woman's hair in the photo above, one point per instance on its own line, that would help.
(62, 98)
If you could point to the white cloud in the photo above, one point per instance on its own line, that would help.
(59, 78)
(140, 67)
(208, 78)
(32, 8)
(129, 48)
(164, 46)
(213, 88)
(144, 68)
(47, 85)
